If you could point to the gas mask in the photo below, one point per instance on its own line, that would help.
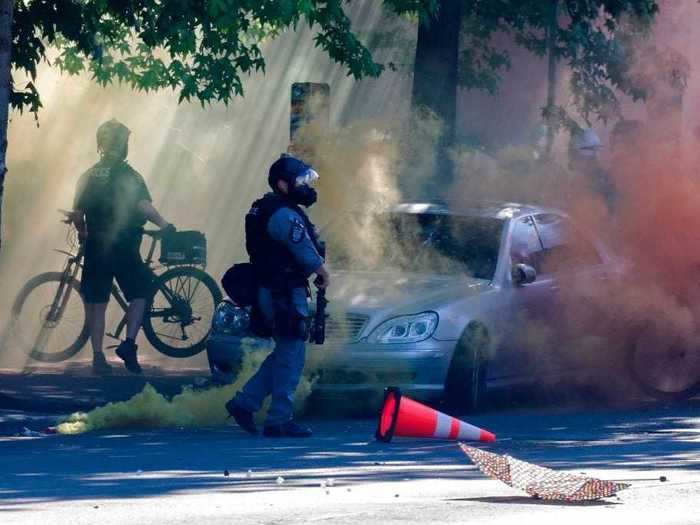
(302, 192)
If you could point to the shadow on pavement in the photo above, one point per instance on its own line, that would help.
(60, 389)
(134, 464)
(527, 500)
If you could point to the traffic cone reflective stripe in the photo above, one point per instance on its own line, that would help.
(402, 416)
(454, 429)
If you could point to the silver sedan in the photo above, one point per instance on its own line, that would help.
(434, 300)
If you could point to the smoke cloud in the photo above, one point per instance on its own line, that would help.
(191, 408)
(650, 163)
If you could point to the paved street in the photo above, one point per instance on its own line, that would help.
(178, 475)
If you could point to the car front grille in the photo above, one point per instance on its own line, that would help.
(345, 327)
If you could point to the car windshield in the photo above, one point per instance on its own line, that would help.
(426, 243)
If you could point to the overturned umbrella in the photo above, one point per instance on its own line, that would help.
(541, 482)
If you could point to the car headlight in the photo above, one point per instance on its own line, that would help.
(230, 319)
(406, 329)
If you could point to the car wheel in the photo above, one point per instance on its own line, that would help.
(466, 380)
(665, 367)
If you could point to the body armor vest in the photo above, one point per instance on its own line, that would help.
(274, 265)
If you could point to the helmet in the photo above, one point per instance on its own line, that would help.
(113, 138)
(291, 170)
(299, 177)
(585, 142)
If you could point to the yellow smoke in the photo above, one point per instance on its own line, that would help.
(190, 408)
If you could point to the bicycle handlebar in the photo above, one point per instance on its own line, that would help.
(69, 214)
(156, 234)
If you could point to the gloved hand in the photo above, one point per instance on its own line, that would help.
(169, 230)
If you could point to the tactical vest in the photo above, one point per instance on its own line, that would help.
(274, 265)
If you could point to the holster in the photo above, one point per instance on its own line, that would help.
(288, 321)
(259, 326)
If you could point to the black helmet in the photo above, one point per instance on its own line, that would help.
(113, 138)
(286, 168)
(298, 175)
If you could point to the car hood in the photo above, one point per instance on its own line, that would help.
(395, 293)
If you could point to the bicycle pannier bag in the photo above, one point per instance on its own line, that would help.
(240, 284)
(183, 247)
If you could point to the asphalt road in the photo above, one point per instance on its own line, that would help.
(178, 476)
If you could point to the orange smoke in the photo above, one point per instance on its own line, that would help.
(654, 229)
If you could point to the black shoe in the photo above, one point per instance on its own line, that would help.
(100, 366)
(243, 418)
(127, 353)
(288, 429)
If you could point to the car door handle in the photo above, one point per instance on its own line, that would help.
(554, 288)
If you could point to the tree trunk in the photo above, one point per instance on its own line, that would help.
(435, 76)
(5, 86)
(552, 76)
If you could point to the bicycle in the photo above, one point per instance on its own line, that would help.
(177, 319)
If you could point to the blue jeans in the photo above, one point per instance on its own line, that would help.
(281, 371)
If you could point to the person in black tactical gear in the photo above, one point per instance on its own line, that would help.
(112, 203)
(285, 251)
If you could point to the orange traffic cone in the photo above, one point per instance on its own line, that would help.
(402, 416)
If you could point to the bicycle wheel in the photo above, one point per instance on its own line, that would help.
(663, 366)
(44, 339)
(181, 310)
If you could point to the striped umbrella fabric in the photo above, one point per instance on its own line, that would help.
(541, 482)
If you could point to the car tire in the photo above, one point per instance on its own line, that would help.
(465, 384)
(663, 367)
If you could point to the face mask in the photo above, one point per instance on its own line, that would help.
(303, 195)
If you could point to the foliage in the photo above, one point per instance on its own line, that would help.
(199, 48)
(596, 39)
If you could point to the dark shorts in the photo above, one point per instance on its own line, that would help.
(121, 261)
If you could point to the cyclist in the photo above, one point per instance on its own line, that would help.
(112, 203)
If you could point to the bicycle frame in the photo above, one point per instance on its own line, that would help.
(73, 266)
(70, 274)
(60, 300)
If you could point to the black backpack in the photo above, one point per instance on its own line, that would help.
(240, 284)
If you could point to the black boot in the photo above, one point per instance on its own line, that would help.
(100, 366)
(288, 429)
(243, 418)
(127, 353)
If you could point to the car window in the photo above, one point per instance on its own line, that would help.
(525, 246)
(425, 242)
(565, 247)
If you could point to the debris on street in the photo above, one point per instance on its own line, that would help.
(540, 482)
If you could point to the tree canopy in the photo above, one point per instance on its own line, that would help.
(597, 40)
(199, 48)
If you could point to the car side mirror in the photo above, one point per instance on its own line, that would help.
(523, 274)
